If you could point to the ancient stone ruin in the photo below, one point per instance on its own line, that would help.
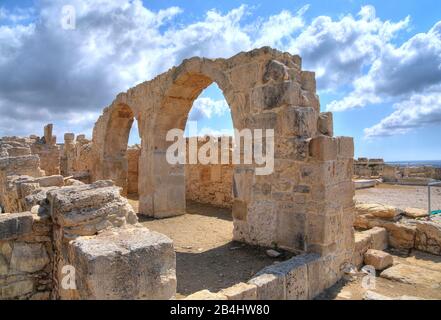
(65, 207)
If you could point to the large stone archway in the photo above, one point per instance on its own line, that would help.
(305, 205)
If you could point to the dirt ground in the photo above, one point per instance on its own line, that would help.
(206, 258)
(400, 196)
(347, 289)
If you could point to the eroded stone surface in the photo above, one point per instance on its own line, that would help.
(124, 263)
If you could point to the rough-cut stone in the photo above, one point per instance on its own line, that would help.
(413, 275)
(415, 213)
(378, 210)
(294, 273)
(363, 243)
(240, 291)
(428, 236)
(15, 224)
(379, 238)
(28, 257)
(124, 263)
(380, 260)
(16, 289)
(269, 287)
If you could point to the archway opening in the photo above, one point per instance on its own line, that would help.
(120, 160)
(206, 255)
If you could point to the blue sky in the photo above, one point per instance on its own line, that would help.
(378, 63)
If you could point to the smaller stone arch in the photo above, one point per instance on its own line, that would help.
(111, 136)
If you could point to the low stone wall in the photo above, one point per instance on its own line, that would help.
(367, 168)
(408, 229)
(25, 256)
(94, 232)
(210, 184)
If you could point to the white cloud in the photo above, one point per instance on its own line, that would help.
(205, 107)
(339, 49)
(398, 72)
(418, 111)
(68, 76)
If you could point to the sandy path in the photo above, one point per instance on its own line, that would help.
(400, 196)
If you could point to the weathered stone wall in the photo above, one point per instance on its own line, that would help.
(133, 154)
(93, 231)
(48, 151)
(406, 229)
(368, 168)
(210, 183)
(25, 256)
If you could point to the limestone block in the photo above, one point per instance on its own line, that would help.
(15, 225)
(415, 213)
(272, 96)
(206, 295)
(4, 266)
(298, 121)
(51, 181)
(124, 263)
(401, 236)
(413, 275)
(377, 210)
(323, 148)
(308, 81)
(28, 257)
(294, 272)
(239, 210)
(275, 70)
(428, 237)
(92, 204)
(240, 291)
(380, 260)
(16, 289)
(269, 287)
(345, 147)
(363, 243)
(325, 124)
(379, 238)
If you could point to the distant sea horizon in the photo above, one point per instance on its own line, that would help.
(414, 163)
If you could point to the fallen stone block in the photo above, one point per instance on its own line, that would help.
(377, 210)
(380, 260)
(415, 213)
(413, 275)
(123, 263)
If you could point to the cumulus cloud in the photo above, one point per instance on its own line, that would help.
(205, 107)
(417, 111)
(338, 50)
(49, 74)
(398, 72)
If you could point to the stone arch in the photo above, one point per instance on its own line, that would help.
(305, 204)
(164, 191)
(112, 132)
